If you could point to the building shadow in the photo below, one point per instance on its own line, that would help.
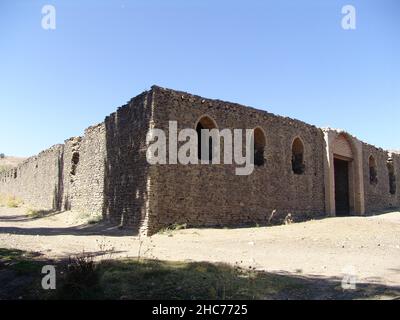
(168, 280)
(31, 215)
(102, 228)
(382, 212)
(14, 218)
(125, 164)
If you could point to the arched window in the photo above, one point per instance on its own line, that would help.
(259, 147)
(74, 162)
(373, 175)
(205, 123)
(298, 166)
(392, 177)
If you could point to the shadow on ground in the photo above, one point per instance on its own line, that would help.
(82, 278)
(98, 228)
(101, 228)
(107, 229)
(30, 215)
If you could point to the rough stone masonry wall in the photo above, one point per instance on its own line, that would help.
(127, 186)
(105, 171)
(83, 171)
(377, 196)
(51, 180)
(208, 195)
(35, 180)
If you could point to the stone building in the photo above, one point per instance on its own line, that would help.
(299, 169)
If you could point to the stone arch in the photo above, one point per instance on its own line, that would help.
(260, 141)
(298, 165)
(373, 173)
(392, 177)
(344, 174)
(342, 146)
(205, 122)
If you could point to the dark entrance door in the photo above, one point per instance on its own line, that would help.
(342, 187)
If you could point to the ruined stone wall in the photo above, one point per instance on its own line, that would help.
(83, 171)
(35, 180)
(106, 170)
(126, 178)
(377, 194)
(208, 195)
(64, 177)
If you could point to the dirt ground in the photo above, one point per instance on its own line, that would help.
(366, 247)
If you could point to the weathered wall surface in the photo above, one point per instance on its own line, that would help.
(36, 179)
(106, 170)
(64, 177)
(202, 195)
(83, 171)
(126, 178)
(377, 195)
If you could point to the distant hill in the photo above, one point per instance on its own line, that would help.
(9, 162)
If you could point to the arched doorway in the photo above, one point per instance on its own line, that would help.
(343, 173)
(344, 186)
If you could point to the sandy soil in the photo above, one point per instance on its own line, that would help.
(369, 247)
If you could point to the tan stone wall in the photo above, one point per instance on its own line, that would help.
(35, 180)
(113, 176)
(83, 182)
(377, 196)
(208, 195)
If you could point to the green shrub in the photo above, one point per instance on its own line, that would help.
(10, 201)
(35, 214)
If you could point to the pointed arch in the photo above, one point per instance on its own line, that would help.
(373, 175)
(342, 146)
(205, 122)
(344, 184)
(298, 166)
(392, 176)
(260, 142)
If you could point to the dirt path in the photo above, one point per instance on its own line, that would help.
(367, 246)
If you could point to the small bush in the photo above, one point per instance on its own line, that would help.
(13, 202)
(95, 219)
(89, 217)
(288, 219)
(81, 278)
(174, 227)
(36, 214)
(4, 168)
(10, 201)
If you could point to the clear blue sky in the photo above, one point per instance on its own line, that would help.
(288, 57)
